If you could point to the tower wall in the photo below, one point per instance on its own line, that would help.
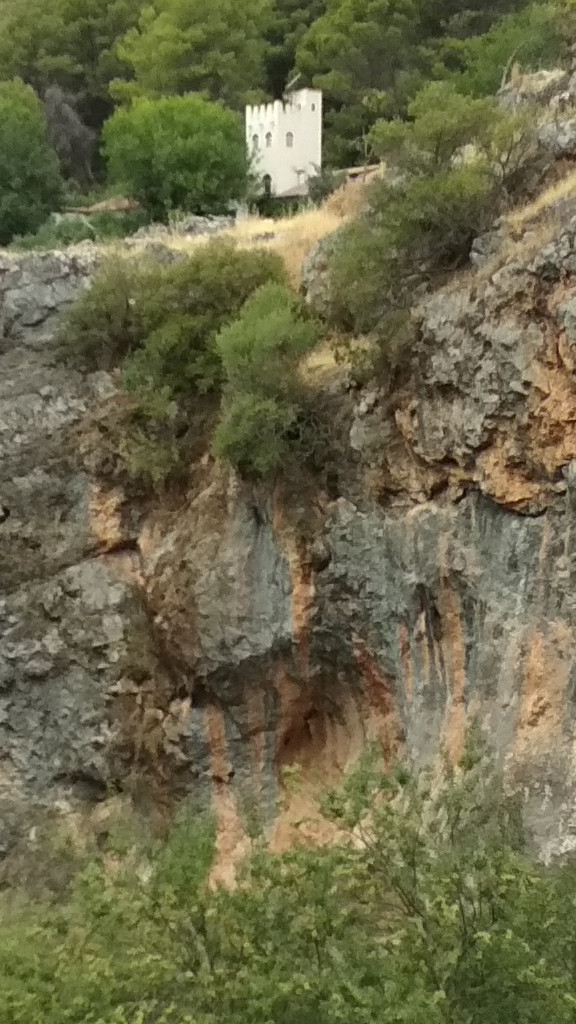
(289, 139)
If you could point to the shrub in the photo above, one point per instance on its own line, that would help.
(56, 234)
(107, 322)
(30, 183)
(191, 302)
(441, 122)
(412, 232)
(324, 183)
(252, 433)
(260, 352)
(180, 152)
(70, 230)
(160, 322)
(538, 35)
(172, 310)
(423, 908)
(448, 129)
(458, 162)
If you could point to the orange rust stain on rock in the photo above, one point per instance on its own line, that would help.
(219, 761)
(453, 648)
(105, 516)
(379, 690)
(303, 587)
(543, 704)
(254, 721)
(321, 747)
(508, 485)
(231, 842)
(296, 706)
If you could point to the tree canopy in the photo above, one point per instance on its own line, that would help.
(212, 46)
(68, 43)
(368, 56)
(423, 910)
(177, 153)
(30, 182)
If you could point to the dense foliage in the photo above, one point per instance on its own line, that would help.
(88, 60)
(423, 910)
(30, 183)
(177, 153)
(262, 402)
(369, 56)
(160, 324)
(453, 166)
(211, 46)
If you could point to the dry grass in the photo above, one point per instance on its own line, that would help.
(350, 199)
(293, 237)
(531, 227)
(519, 219)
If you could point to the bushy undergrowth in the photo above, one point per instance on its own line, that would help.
(169, 313)
(452, 168)
(263, 396)
(69, 230)
(221, 320)
(423, 910)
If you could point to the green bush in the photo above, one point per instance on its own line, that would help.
(536, 36)
(181, 152)
(171, 311)
(191, 301)
(262, 401)
(30, 182)
(442, 121)
(458, 162)
(56, 234)
(324, 183)
(413, 232)
(423, 910)
(70, 230)
(108, 321)
(159, 324)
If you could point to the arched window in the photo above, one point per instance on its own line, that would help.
(267, 185)
(255, 143)
(313, 106)
(268, 139)
(289, 140)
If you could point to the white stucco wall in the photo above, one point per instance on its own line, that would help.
(299, 116)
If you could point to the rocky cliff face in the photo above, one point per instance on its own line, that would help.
(205, 643)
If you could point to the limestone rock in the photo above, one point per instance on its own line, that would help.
(486, 246)
(558, 138)
(536, 89)
(202, 645)
(315, 277)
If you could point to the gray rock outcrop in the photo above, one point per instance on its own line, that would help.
(204, 644)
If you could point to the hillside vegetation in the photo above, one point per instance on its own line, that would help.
(115, 80)
(426, 906)
(423, 909)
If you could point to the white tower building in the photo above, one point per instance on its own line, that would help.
(284, 139)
